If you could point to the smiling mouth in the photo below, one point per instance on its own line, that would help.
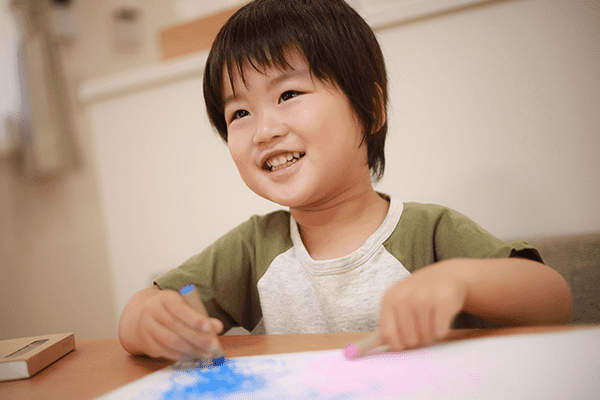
(282, 161)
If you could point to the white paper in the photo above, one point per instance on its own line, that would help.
(563, 365)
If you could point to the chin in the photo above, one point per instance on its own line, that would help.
(283, 201)
(292, 200)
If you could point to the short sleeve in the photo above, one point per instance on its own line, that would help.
(227, 272)
(429, 233)
(458, 236)
(223, 275)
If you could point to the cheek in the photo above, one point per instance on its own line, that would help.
(236, 150)
(312, 117)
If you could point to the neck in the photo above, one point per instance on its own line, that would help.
(340, 225)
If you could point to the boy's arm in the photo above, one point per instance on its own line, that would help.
(514, 291)
(161, 323)
(509, 291)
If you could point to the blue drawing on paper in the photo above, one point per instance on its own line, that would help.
(217, 382)
(234, 379)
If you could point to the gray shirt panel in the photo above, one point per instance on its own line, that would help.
(302, 295)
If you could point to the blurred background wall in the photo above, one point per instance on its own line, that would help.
(493, 111)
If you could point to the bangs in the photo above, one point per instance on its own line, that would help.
(258, 59)
(261, 36)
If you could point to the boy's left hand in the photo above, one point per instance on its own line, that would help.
(420, 309)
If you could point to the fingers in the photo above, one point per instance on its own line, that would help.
(162, 342)
(195, 328)
(217, 325)
(419, 310)
(424, 326)
(441, 323)
(404, 327)
(388, 329)
(171, 328)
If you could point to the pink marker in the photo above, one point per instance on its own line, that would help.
(368, 345)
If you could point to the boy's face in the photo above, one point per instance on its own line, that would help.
(295, 140)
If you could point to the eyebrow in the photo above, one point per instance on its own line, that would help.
(288, 74)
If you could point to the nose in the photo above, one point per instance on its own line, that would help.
(269, 127)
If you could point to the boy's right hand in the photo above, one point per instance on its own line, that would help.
(161, 323)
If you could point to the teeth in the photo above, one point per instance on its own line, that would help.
(283, 165)
(283, 161)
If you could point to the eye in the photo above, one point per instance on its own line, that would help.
(239, 114)
(290, 94)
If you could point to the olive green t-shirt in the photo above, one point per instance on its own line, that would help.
(260, 275)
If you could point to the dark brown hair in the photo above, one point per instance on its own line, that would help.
(337, 43)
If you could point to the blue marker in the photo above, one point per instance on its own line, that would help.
(190, 292)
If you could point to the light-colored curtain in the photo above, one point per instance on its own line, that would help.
(9, 79)
(38, 133)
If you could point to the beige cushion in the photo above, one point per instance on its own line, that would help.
(577, 259)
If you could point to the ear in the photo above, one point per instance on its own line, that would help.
(382, 111)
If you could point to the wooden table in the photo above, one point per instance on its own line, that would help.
(98, 366)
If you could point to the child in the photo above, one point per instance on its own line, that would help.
(297, 89)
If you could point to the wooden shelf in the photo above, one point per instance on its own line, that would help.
(194, 36)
